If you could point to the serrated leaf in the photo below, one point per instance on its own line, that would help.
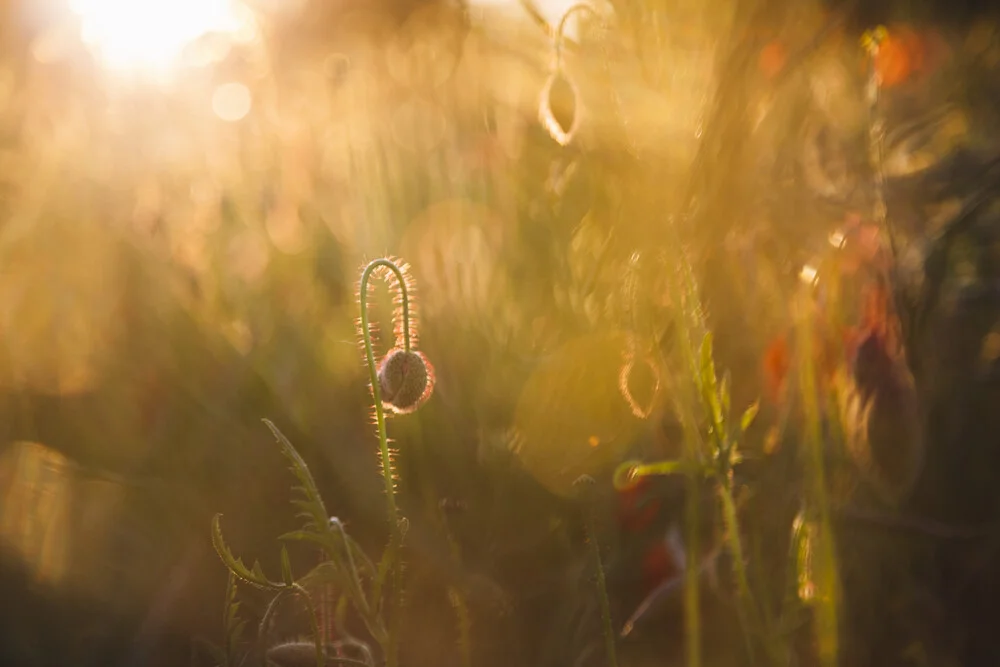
(286, 567)
(749, 415)
(333, 544)
(312, 502)
(258, 570)
(232, 624)
(254, 577)
(302, 536)
(235, 638)
(338, 570)
(325, 573)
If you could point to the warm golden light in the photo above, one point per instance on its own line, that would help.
(231, 101)
(152, 34)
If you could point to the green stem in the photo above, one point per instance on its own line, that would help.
(684, 293)
(827, 583)
(692, 597)
(395, 541)
(732, 527)
(602, 593)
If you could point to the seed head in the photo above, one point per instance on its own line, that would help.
(405, 379)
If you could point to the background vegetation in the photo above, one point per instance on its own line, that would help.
(179, 260)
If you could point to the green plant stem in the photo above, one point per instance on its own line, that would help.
(457, 597)
(692, 593)
(602, 592)
(732, 527)
(828, 583)
(684, 292)
(395, 540)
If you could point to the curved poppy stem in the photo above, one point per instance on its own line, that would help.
(561, 28)
(387, 473)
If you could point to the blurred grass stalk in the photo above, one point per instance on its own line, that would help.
(685, 399)
(824, 565)
(715, 459)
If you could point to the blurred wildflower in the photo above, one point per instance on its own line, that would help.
(772, 59)
(559, 104)
(901, 54)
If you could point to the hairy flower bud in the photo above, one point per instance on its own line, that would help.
(406, 380)
(292, 654)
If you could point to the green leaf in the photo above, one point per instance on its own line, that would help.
(258, 571)
(340, 571)
(232, 623)
(325, 573)
(707, 365)
(709, 386)
(333, 544)
(749, 415)
(313, 509)
(254, 576)
(724, 397)
(286, 567)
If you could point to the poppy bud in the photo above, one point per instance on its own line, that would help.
(405, 379)
(292, 654)
(645, 374)
(558, 109)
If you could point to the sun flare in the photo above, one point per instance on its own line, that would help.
(152, 34)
